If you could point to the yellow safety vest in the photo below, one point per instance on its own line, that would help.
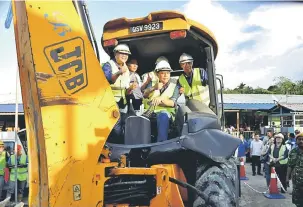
(168, 93)
(2, 162)
(121, 84)
(21, 171)
(197, 91)
(153, 76)
(281, 154)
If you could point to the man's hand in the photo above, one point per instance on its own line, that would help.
(157, 101)
(134, 85)
(123, 69)
(181, 90)
(158, 86)
(148, 80)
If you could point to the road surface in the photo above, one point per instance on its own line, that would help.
(250, 198)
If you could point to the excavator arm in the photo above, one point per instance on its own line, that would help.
(68, 104)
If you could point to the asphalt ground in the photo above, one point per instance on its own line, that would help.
(250, 198)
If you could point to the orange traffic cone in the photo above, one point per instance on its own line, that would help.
(273, 187)
(242, 170)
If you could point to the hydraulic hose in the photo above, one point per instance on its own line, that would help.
(190, 187)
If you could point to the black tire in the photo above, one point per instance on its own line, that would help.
(219, 183)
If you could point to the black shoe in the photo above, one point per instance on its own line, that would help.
(260, 174)
(254, 174)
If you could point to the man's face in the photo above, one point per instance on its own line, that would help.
(300, 142)
(133, 66)
(1, 149)
(121, 57)
(257, 137)
(269, 134)
(187, 67)
(164, 76)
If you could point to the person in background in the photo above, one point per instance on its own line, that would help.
(242, 148)
(295, 170)
(291, 142)
(21, 173)
(278, 155)
(152, 77)
(134, 91)
(297, 132)
(256, 149)
(266, 160)
(268, 136)
(4, 157)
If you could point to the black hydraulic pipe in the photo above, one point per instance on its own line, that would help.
(190, 187)
(126, 183)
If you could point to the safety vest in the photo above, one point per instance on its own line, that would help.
(168, 93)
(2, 162)
(281, 154)
(121, 84)
(197, 91)
(21, 171)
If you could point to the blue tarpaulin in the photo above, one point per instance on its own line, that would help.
(9, 17)
(10, 108)
(248, 106)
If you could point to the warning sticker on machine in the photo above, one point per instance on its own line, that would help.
(77, 192)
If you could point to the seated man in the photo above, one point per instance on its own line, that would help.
(134, 91)
(151, 76)
(117, 74)
(162, 96)
(194, 81)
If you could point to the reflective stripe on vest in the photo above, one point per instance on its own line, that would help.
(168, 93)
(2, 162)
(21, 171)
(281, 154)
(196, 91)
(121, 83)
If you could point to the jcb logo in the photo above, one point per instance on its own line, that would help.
(67, 59)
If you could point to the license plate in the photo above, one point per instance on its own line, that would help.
(146, 27)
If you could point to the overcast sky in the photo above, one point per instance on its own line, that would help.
(257, 41)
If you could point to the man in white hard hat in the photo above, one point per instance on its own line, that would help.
(117, 74)
(194, 81)
(163, 96)
(152, 75)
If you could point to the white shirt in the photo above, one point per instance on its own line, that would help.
(256, 147)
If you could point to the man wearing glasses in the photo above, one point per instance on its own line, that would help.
(194, 81)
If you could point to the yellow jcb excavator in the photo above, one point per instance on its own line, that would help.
(70, 111)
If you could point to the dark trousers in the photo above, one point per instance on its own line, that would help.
(281, 171)
(256, 162)
(20, 184)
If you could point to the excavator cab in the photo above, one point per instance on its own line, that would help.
(167, 34)
(70, 110)
(195, 133)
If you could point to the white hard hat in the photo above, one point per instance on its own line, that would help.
(161, 58)
(122, 48)
(163, 65)
(185, 58)
(279, 135)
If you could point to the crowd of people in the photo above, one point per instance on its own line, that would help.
(155, 90)
(284, 154)
(7, 161)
